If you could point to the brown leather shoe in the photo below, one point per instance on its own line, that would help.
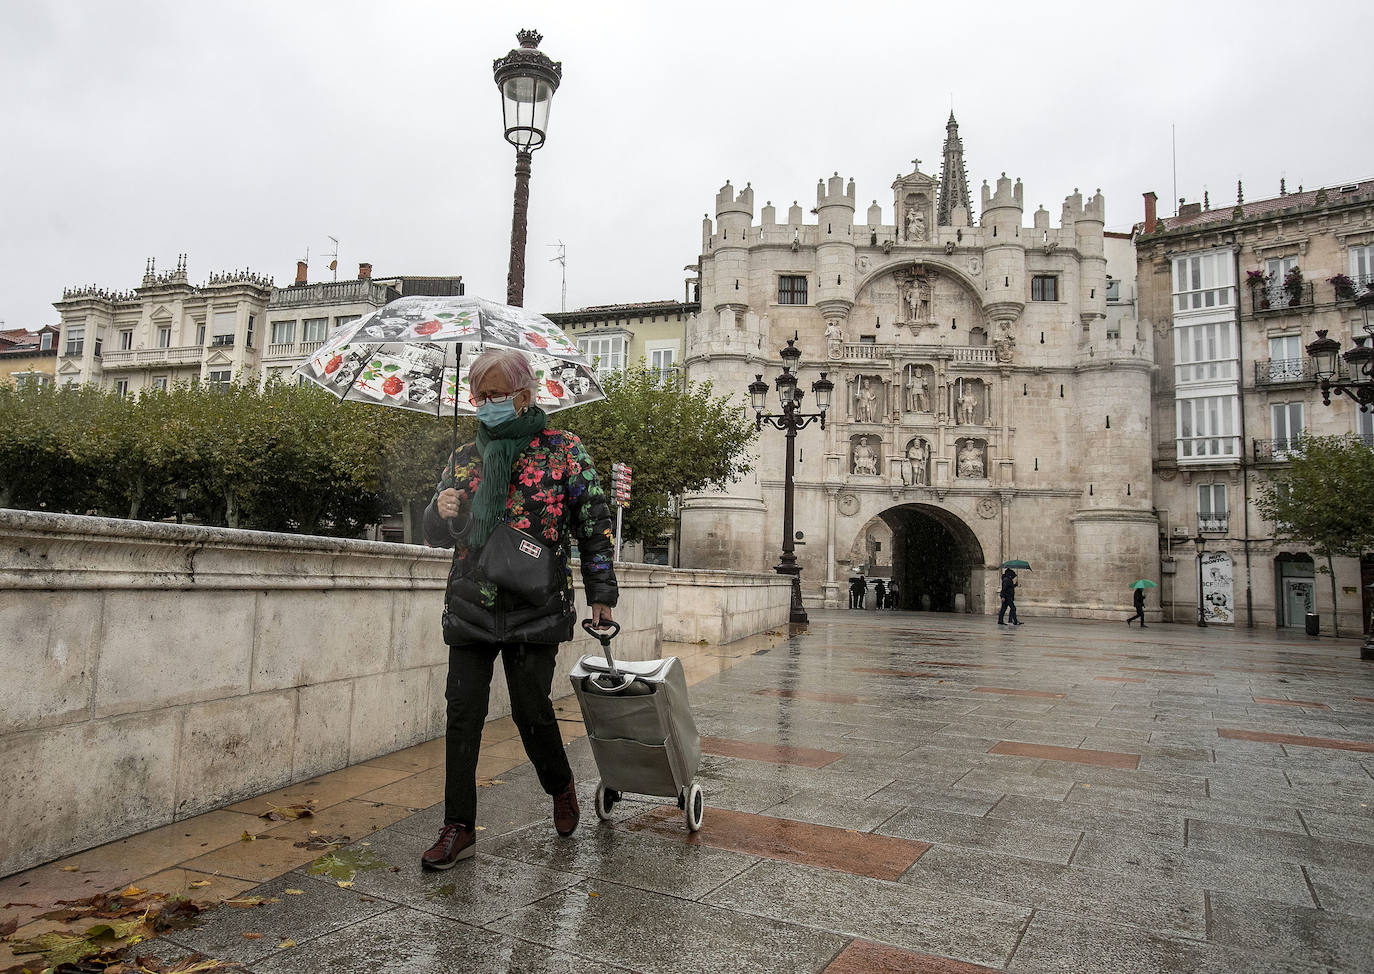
(565, 810)
(455, 842)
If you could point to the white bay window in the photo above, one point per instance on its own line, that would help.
(1207, 427)
(1204, 281)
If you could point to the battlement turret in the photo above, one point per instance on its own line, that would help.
(1088, 224)
(835, 194)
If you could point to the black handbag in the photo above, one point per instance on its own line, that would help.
(520, 564)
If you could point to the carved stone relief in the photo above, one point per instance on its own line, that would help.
(865, 455)
(971, 459)
(916, 463)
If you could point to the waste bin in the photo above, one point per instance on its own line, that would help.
(1314, 624)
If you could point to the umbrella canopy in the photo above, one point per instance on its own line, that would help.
(415, 352)
(1017, 563)
(1143, 583)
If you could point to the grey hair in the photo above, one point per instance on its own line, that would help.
(509, 365)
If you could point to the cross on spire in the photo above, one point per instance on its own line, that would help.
(917, 164)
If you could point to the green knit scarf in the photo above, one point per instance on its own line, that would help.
(499, 446)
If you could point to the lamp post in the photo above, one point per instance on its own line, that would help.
(527, 79)
(790, 420)
(1360, 386)
(1201, 543)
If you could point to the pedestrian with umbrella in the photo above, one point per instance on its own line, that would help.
(510, 505)
(540, 482)
(1139, 585)
(1009, 590)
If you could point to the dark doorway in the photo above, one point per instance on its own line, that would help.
(935, 560)
(1366, 589)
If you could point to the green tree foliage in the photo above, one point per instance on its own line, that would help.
(284, 458)
(292, 458)
(676, 441)
(1321, 498)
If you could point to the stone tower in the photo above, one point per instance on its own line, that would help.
(953, 180)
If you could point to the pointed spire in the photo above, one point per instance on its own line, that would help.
(953, 179)
(1240, 194)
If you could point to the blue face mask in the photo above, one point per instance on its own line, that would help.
(495, 413)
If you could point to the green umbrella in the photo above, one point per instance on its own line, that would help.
(1017, 563)
(1143, 583)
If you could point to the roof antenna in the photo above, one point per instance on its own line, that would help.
(562, 258)
(334, 257)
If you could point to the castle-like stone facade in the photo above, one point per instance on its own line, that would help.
(987, 405)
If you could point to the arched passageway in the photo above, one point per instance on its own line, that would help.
(935, 558)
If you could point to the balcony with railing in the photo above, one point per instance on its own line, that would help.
(280, 350)
(1212, 524)
(1352, 287)
(133, 358)
(1275, 450)
(1272, 298)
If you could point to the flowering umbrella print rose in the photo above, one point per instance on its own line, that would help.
(415, 352)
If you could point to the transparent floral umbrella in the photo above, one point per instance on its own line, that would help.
(415, 353)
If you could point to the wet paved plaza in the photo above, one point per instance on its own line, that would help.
(895, 792)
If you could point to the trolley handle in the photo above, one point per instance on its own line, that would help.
(605, 634)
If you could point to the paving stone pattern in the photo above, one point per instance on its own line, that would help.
(905, 792)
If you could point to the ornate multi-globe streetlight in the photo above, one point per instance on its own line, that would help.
(1201, 543)
(1359, 387)
(527, 79)
(790, 420)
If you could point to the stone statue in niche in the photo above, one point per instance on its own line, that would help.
(968, 406)
(916, 399)
(970, 461)
(915, 224)
(914, 467)
(916, 292)
(865, 460)
(867, 411)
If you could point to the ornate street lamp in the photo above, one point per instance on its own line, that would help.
(1360, 386)
(790, 420)
(527, 79)
(1201, 543)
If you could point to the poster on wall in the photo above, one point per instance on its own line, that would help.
(1218, 599)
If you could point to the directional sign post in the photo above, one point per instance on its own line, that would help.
(620, 497)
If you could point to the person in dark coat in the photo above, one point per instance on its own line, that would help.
(1139, 599)
(857, 586)
(879, 594)
(541, 481)
(1008, 598)
(892, 594)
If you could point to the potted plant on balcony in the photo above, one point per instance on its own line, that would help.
(1259, 289)
(1292, 283)
(1345, 287)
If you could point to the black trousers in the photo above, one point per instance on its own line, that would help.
(1139, 614)
(529, 677)
(1008, 604)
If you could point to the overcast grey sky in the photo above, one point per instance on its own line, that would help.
(244, 131)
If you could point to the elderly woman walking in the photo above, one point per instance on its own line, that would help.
(539, 481)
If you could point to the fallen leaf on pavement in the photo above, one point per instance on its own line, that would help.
(286, 943)
(286, 813)
(71, 869)
(132, 890)
(254, 936)
(294, 892)
(247, 902)
(344, 883)
(247, 836)
(200, 884)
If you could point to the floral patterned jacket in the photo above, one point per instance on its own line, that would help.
(555, 494)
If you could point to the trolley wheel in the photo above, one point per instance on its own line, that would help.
(694, 806)
(605, 801)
